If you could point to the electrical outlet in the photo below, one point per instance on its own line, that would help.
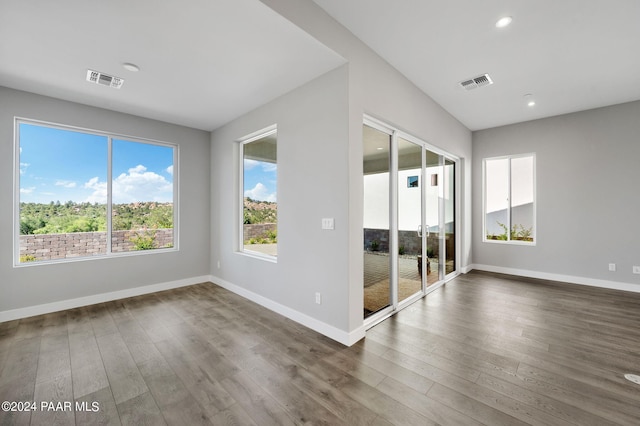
(636, 269)
(318, 298)
(612, 267)
(218, 264)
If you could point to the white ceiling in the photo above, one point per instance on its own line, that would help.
(202, 62)
(206, 62)
(571, 55)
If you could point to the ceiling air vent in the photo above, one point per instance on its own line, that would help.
(472, 83)
(104, 79)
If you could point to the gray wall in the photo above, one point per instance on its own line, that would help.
(312, 184)
(588, 172)
(23, 287)
(375, 88)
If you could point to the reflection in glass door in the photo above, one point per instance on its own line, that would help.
(449, 200)
(377, 263)
(411, 229)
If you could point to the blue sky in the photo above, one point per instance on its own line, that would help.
(260, 180)
(62, 165)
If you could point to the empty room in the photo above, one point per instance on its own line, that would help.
(275, 212)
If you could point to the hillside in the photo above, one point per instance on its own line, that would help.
(259, 211)
(57, 218)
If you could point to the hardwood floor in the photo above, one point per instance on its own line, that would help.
(484, 349)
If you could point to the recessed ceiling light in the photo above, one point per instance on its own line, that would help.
(131, 67)
(503, 22)
(531, 103)
(379, 149)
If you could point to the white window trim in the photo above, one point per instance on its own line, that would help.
(252, 137)
(484, 202)
(110, 136)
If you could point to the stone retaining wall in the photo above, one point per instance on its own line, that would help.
(82, 244)
(258, 230)
(409, 240)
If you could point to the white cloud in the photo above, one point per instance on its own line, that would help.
(270, 167)
(99, 194)
(266, 166)
(250, 164)
(27, 190)
(260, 193)
(137, 184)
(66, 183)
(170, 170)
(23, 167)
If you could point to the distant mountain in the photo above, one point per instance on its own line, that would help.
(260, 211)
(259, 205)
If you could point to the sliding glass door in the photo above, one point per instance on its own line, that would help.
(408, 221)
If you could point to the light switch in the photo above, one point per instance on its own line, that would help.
(327, 223)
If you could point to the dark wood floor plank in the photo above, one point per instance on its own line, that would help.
(57, 394)
(140, 410)
(471, 407)
(382, 404)
(561, 410)
(275, 376)
(330, 397)
(97, 408)
(403, 375)
(204, 388)
(484, 349)
(125, 379)
(591, 398)
(423, 404)
(233, 416)
(258, 404)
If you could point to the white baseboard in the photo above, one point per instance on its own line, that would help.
(592, 282)
(97, 298)
(466, 269)
(341, 336)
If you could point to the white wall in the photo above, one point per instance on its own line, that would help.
(376, 200)
(41, 288)
(587, 210)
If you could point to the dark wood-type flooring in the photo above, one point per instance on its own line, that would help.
(484, 349)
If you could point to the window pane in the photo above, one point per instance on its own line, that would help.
(260, 206)
(409, 220)
(522, 198)
(376, 147)
(496, 198)
(450, 215)
(62, 196)
(142, 188)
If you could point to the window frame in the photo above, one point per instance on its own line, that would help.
(509, 158)
(111, 136)
(252, 137)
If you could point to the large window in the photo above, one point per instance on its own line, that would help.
(509, 199)
(259, 199)
(81, 193)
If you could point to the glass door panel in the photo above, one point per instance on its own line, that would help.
(410, 221)
(449, 216)
(377, 262)
(433, 214)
